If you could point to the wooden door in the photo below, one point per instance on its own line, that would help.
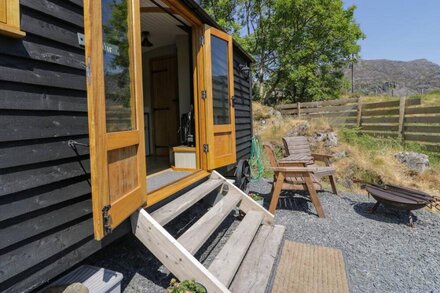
(219, 114)
(115, 104)
(165, 104)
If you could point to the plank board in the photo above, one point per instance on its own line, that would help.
(228, 260)
(255, 271)
(198, 233)
(173, 209)
(310, 268)
(171, 253)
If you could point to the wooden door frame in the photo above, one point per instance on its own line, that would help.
(197, 27)
(211, 127)
(101, 141)
(151, 92)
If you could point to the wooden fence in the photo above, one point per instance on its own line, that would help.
(401, 118)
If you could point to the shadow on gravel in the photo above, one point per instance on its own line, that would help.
(382, 214)
(291, 201)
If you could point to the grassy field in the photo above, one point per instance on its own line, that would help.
(430, 99)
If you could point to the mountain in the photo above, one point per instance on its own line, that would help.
(378, 77)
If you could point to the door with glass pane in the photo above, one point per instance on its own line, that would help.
(219, 84)
(115, 104)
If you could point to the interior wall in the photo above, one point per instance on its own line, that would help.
(181, 50)
(184, 78)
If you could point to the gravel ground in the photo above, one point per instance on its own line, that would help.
(382, 254)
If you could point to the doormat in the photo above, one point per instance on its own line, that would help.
(310, 268)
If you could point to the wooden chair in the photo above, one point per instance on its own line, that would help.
(288, 175)
(298, 148)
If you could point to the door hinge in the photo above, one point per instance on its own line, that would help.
(204, 94)
(206, 148)
(107, 219)
(234, 101)
(88, 71)
(202, 41)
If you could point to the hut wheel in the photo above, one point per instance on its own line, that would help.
(242, 174)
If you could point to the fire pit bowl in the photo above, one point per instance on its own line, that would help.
(400, 198)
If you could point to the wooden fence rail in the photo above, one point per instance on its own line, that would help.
(403, 118)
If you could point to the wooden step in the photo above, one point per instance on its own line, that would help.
(198, 233)
(255, 270)
(227, 262)
(176, 207)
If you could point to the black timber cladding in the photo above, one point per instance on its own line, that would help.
(243, 106)
(46, 222)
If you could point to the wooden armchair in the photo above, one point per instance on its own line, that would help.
(298, 148)
(288, 175)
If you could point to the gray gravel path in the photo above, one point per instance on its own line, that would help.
(381, 253)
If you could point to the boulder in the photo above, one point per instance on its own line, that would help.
(414, 161)
(329, 139)
(300, 129)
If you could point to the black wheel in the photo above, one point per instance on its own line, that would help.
(242, 174)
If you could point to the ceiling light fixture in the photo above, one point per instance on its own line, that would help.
(145, 41)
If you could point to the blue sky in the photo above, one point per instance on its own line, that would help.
(399, 29)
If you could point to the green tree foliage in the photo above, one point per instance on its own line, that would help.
(301, 46)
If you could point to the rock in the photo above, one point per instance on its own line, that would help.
(300, 129)
(414, 161)
(275, 113)
(340, 155)
(332, 140)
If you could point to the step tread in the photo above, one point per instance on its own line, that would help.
(173, 209)
(256, 268)
(228, 260)
(198, 233)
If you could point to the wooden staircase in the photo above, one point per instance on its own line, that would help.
(245, 262)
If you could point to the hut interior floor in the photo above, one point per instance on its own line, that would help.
(156, 164)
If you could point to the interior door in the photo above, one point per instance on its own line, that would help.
(219, 114)
(115, 105)
(165, 102)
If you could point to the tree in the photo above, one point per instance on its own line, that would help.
(301, 46)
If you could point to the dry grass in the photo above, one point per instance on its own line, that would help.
(367, 158)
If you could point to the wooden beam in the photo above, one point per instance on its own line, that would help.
(171, 253)
(157, 10)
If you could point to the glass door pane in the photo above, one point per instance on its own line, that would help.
(120, 112)
(220, 80)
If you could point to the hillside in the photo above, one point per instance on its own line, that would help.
(376, 77)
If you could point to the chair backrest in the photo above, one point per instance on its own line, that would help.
(270, 153)
(297, 145)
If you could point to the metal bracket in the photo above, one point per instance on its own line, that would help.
(107, 219)
(202, 41)
(204, 94)
(234, 101)
(206, 148)
(81, 39)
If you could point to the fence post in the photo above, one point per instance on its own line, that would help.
(402, 106)
(299, 109)
(359, 113)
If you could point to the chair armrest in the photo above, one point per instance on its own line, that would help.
(301, 170)
(286, 163)
(322, 158)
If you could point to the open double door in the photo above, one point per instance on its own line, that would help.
(115, 105)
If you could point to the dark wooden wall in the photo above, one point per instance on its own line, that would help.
(243, 107)
(45, 205)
